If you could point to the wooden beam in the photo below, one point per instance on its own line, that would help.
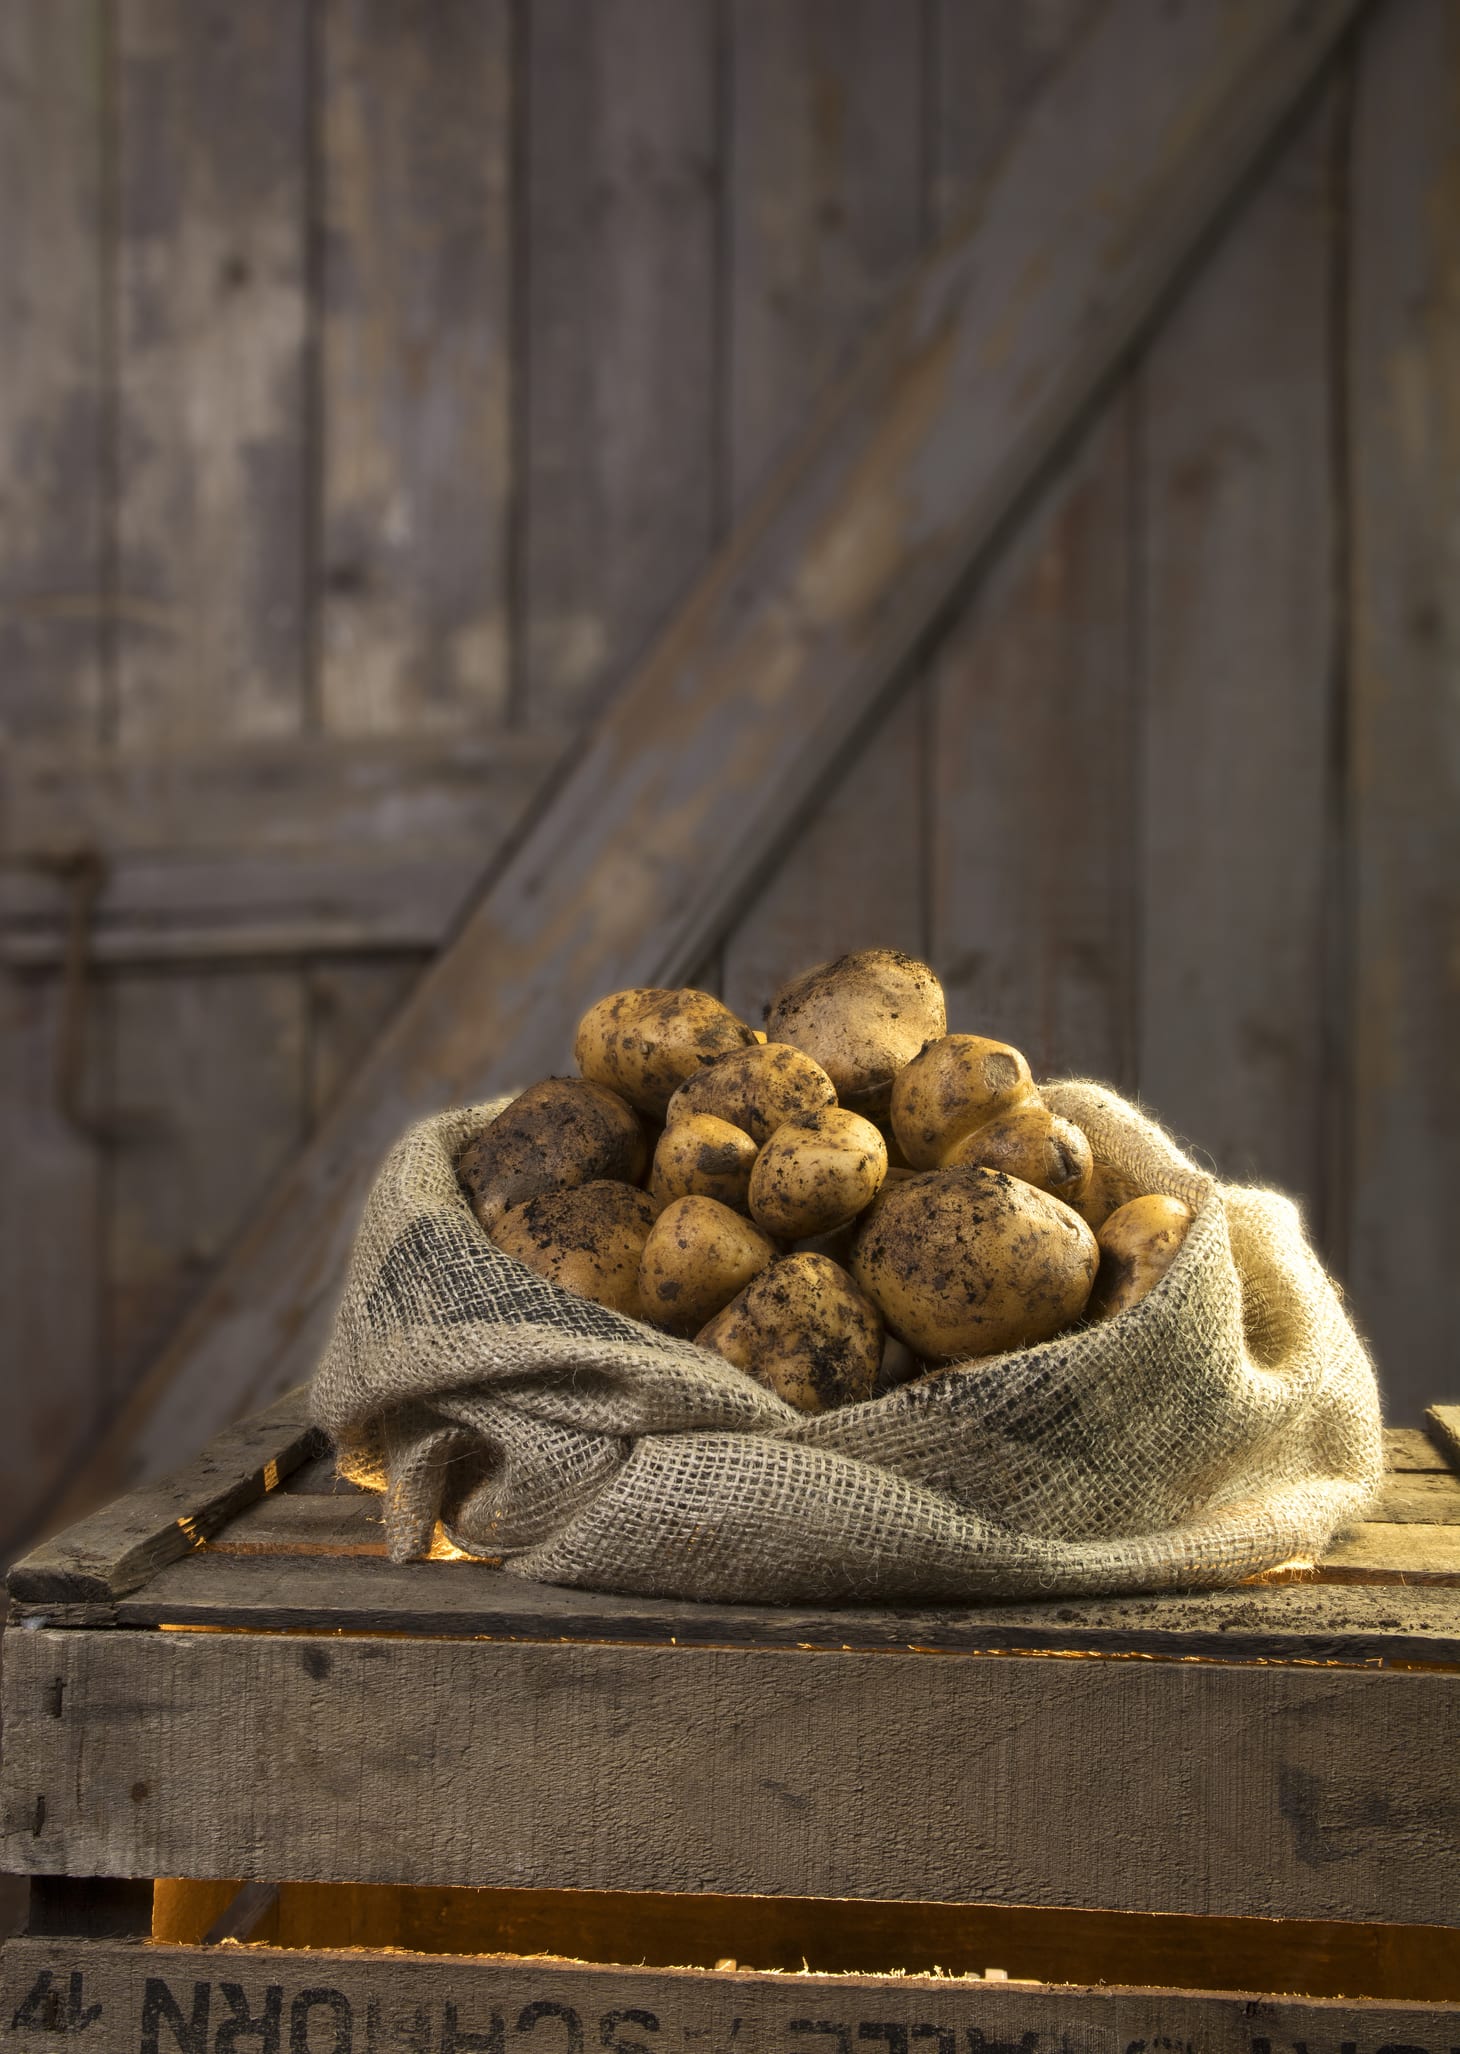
(683, 791)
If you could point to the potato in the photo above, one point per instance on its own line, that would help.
(804, 1330)
(862, 1018)
(698, 1255)
(589, 1240)
(757, 1089)
(1030, 1142)
(1108, 1189)
(970, 1262)
(703, 1155)
(955, 1085)
(817, 1173)
(556, 1135)
(643, 1044)
(1138, 1244)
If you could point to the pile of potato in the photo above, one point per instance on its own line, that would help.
(851, 1199)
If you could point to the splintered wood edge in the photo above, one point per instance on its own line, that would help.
(1442, 1422)
(119, 1548)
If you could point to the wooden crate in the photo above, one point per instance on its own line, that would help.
(269, 1786)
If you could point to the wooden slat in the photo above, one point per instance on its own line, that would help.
(118, 1549)
(212, 214)
(1443, 1422)
(1032, 760)
(1307, 1793)
(1404, 720)
(1420, 1501)
(1303, 1622)
(1238, 638)
(54, 627)
(1379, 1552)
(827, 212)
(687, 785)
(286, 1523)
(145, 1992)
(350, 1003)
(1411, 1448)
(50, 1257)
(416, 368)
(209, 1099)
(619, 332)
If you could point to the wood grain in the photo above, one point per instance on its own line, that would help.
(685, 789)
(55, 623)
(416, 364)
(405, 1997)
(118, 1549)
(1032, 752)
(211, 262)
(210, 1068)
(826, 210)
(1237, 496)
(1308, 1793)
(1443, 1422)
(1404, 723)
(620, 319)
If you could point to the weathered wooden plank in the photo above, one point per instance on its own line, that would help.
(54, 628)
(1443, 1422)
(350, 1003)
(1032, 757)
(687, 786)
(826, 205)
(302, 1523)
(1238, 494)
(211, 331)
(416, 364)
(1309, 1793)
(54, 484)
(619, 456)
(988, 61)
(1411, 1448)
(1376, 1552)
(1419, 1501)
(1298, 1622)
(826, 213)
(119, 1548)
(210, 1072)
(50, 1255)
(1403, 736)
(143, 1992)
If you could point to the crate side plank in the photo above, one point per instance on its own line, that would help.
(1202, 1788)
(135, 1994)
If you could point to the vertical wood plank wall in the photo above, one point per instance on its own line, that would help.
(387, 370)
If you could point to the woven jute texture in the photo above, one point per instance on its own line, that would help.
(1226, 1423)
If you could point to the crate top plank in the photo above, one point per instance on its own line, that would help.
(260, 1533)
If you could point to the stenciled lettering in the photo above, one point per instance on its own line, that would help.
(610, 2030)
(266, 2026)
(842, 2034)
(455, 2039)
(160, 2008)
(342, 2017)
(532, 2016)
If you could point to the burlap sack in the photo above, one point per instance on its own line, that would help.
(1228, 1422)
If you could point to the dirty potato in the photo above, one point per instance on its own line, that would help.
(698, 1255)
(955, 1085)
(1030, 1142)
(556, 1135)
(644, 1043)
(1138, 1244)
(971, 1262)
(703, 1155)
(862, 1018)
(757, 1089)
(1107, 1191)
(817, 1173)
(804, 1330)
(589, 1240)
